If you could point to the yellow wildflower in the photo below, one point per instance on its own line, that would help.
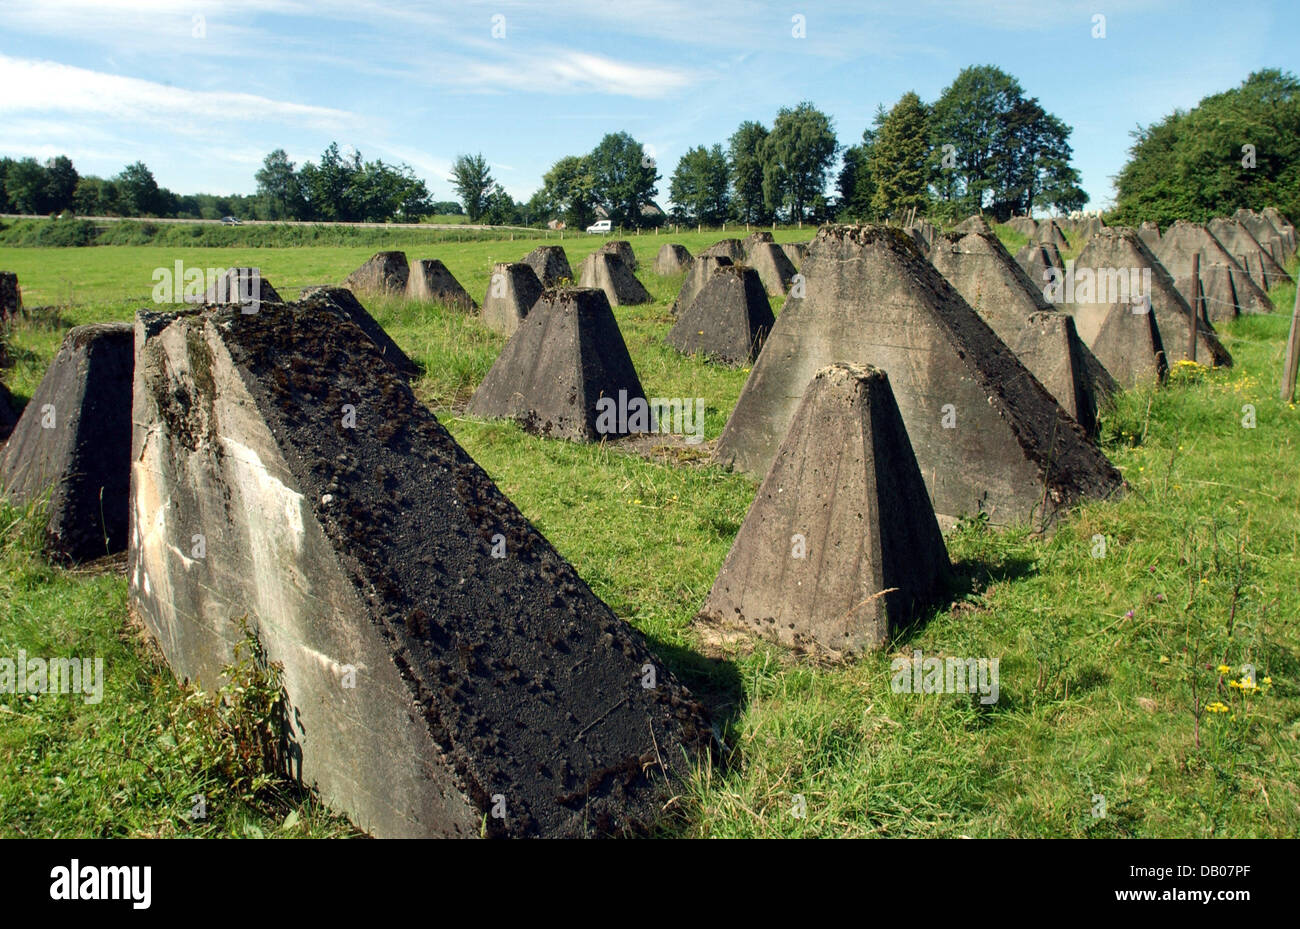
(1216, 707)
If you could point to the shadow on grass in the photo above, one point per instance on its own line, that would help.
(715, 682)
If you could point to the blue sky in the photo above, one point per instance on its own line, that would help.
(202, 90)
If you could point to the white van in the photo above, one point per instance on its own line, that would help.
(603, 225)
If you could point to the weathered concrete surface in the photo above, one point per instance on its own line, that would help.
(73, 442)
(872, 298)
(973, 223)
(1085, 229)
(1149, 233)
(728, 320)
(773, 268)
(383, 273)
(1284, 228)
(1048, 232)
(512, 291)
(1254, 258)
(923, 233)
(1264, 232)
(344, 305)
(1128, 343)
(11, 296)
(755, 238)
(1025, 225)
(565, 357)
(550, 264)
(427, 681)
(672, 259)
(980, 268)
(1037, 259)
(697, 276)
(243, 286)
(1225, 286)
(726, 248)
(623, 249)
(606, 271)
(430, 280)
(795, 252)
(840, 545)
(1111, 260)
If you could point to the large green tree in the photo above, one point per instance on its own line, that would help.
(1238, 148)
(137, 191)
(855, 182)
(899, 161)
(568, 190)
(699, 185)
(797, 156)
(998, 150)
(280, 187)
(745, 161)
(624, 178)
(472, 181)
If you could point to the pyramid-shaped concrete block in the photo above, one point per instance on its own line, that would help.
(1149, 233)
(672, 259)
(1285, 228)
(1024, 225)
(430, 280)
(840, 546)
(550, 264)
(1226, 288)
(622, 249)
(566, 372)
(11, 296)
(512, 291)
(383, 273)
(73, 442)
(755, 238)
(795, 252)
(243, 286)
(1117, 267)
(343, 304)
(773, 268)
(1256, 260)
(1085, 229)
(1126, 339)
(726, 248)
(701, 270)
(1049, 233)
(988, 436)
(606, 271)
(973, 223)
(445, 670)
(988, 278)
(728, 320)
(1264, 232)
(1037, 261)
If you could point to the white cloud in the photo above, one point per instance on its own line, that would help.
(49, 87)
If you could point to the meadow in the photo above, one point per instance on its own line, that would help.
(1121, 673)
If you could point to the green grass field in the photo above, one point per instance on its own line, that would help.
(1110, 681)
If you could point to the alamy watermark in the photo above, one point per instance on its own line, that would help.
(179, 284)
(1099, 285)
(53, 676)
(673, 415)
(921, 675)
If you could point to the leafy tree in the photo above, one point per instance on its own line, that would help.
(745, 160)
(569, 190)
(796, 158)
(899, 161)
(472, 182)
(1191, 164)
(137, 191)
(856, 184)
(60, 183)
(699, 185)
(448, 208)
(280, 187)
(623, 177)
(95, 197)
(500, 208)
(25, 186)
(328, 186)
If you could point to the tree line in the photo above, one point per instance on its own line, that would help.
(982, 145)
